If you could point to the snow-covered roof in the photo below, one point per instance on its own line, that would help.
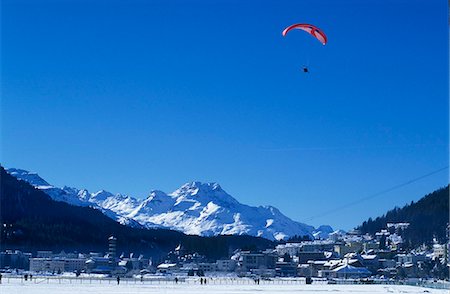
(369, 256)
(349, 269)
(166, 265)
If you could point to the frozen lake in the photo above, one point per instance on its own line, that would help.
(17, 286)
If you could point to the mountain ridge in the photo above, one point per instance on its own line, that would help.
(31, 220)
(196, 208)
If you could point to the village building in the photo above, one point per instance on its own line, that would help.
(262, 260)
(226, 265)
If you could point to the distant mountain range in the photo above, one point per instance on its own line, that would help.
(30, 220)
(196, 208)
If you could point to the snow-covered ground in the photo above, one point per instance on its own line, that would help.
(41, 285)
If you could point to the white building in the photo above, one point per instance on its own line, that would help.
(226, 265)
(262, 260)
(74, 264)
(57, 264)
(293, 249)
(40, 264)
(207, 267)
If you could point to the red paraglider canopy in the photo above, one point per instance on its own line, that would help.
(313, 30)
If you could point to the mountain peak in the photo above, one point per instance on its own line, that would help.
(101, 195)
(196, 186)
(204, 193)
(156, 195)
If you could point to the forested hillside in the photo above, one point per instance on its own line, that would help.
(428, 218)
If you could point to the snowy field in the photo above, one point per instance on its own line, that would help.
(16, 286)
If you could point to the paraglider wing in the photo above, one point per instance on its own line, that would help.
(313, 30)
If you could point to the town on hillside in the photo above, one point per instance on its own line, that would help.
(343, 256)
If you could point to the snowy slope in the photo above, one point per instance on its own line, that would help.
(323, 232)
(206, 209)
(100, 200)
(195, 208)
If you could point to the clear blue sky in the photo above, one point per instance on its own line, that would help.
(131, 96)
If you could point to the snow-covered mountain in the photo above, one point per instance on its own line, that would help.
(195, 208)
(323, 232)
